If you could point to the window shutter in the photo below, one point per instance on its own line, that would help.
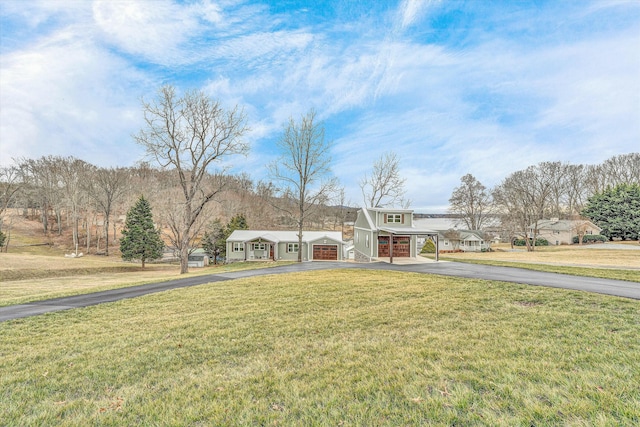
(402, 216)
(385, 218)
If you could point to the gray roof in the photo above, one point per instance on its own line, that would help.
(283, 236)
(563, 224)
(465, 235)
(408, 230)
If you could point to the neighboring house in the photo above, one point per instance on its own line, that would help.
(562, 231)
(384, 232)
(256, 245)
(462, 240)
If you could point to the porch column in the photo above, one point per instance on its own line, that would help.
(391, 248)
(437, 249)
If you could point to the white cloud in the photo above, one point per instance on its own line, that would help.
(412, 10)
(493, 103)
(155, 30)
(59, 97)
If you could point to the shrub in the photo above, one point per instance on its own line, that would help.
(429, 247)
(590, 238)
(540, 241)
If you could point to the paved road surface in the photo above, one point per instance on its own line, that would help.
(472, 271)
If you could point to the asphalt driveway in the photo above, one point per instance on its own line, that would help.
(472, 271)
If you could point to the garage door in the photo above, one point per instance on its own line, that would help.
(401, 246)
(325, 252)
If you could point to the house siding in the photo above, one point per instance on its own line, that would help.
(279, 241)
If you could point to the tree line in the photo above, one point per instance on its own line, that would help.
(190, 137)
(549, 190)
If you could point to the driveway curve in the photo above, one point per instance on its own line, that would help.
(472, 271)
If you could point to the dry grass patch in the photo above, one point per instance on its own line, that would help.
(585, 256)
(329, 348)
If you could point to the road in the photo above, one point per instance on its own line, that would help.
(472, 271)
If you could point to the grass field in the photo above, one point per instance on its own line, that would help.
(27, 277)
(342, 347)
(586, 256)
(339, 347)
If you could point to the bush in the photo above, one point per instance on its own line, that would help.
(429, 247)
(590, 238)
(539, 242)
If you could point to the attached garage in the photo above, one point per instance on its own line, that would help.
(325, 252)
(401, 246)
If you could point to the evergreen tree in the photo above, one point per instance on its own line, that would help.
(214, 241)
(141, 240)
(617, 211)
(238, 222)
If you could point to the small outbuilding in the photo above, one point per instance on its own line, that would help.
(198, 260)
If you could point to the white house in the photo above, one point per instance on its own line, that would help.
(257, 245)
(462, 240)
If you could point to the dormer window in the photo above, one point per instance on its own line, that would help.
(393, 218)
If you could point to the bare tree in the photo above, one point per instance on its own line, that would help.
(191, 134)
(42, 177)
(575, 189)
(304, 170)
(524, 198)
(10, 184)
(106, 187)
(622, 169)
(384, 187)
(472, 203)
(73, 173)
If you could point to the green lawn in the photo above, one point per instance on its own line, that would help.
(340, 347)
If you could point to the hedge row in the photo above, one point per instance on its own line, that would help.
(539, 242)
(591, 238)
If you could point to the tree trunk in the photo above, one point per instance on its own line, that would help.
(106, 235)
(184, 254)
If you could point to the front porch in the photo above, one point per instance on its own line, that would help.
(260, 251)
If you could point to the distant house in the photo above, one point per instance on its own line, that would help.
(562, 231)
(462, 240)
(385, 232)
(262, 245)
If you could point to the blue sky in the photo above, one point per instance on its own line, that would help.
(453, 87)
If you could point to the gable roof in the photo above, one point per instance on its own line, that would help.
(277, 236)
(465, 235)
(365, 212)
(390, 229)
(564, 224)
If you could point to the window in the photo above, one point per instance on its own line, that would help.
(238, 247)
(366, 240)
(292, 247)
(394, 218)
(357, 237)
(259, 246)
